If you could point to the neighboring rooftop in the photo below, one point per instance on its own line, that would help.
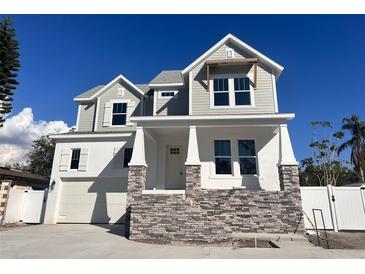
(8, 172)
(166, 77)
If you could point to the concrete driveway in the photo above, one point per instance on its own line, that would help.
(92, 241)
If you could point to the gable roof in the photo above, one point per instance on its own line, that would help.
(89, 92)
(93, 93)
(233, 39)
(144, 87)
(168, 78)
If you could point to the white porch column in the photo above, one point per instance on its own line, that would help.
(286, 151)
(138, 155)
(193, 150)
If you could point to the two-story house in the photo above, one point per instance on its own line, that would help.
(195, 154)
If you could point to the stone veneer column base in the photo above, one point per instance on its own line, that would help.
(290, 185)
(4, 197)
(136, 184)
(193, 183)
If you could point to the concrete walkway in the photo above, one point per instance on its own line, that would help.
(92, 241)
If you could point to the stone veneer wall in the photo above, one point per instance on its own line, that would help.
(211, 215)
(4, 196)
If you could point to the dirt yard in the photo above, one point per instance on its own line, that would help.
(341, 240)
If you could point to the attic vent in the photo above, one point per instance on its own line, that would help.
(121, 92)
(229, 53)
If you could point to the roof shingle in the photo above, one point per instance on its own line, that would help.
(168, 77)
(90, 92)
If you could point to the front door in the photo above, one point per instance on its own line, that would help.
(174, 168)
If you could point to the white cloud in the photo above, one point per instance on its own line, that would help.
(19, 131)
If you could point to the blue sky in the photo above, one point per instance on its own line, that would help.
(64, 55)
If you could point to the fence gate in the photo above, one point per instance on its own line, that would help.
(343, 207)
(316, 197)
(350, 207)
(27, 206)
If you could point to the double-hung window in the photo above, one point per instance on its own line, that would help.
(75, 158)
(221, 92)
(119, 115)
(247, 157)
(127, 156)
(222, 154)
(242, 91)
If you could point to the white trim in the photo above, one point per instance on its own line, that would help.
(235, 164)
(116, 101)
(285, 116)
(103, 135)
(166, 97)
(273, 80)
(264, 59)
(167, 85)
(190, 93)
(228, 175)
(78, 118)
(248, 157)
(96, 115)
(111, 83)
(69, 169)
(154, 103)
(231, 91)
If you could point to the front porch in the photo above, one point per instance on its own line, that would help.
(187, 200)
(232, 153)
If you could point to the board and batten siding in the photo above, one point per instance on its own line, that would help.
(86, 117)
(178, 105)
(264, 94)
(112, 94)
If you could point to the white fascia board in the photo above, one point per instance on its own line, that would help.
(87, 136)
(278, 68)
(282, 116)
(166, 85)
(82, 99)
(115, 80)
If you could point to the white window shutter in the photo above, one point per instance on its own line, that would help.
(130, 108)
(65, 159)
(117, 157)
(83, 159)
(107, 114)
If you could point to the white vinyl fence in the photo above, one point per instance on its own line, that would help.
(27, 206)
(343, 208)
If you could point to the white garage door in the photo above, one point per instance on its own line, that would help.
(100, 201)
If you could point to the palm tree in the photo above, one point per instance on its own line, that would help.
(357, 143)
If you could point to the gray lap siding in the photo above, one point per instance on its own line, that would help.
(264, 94)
